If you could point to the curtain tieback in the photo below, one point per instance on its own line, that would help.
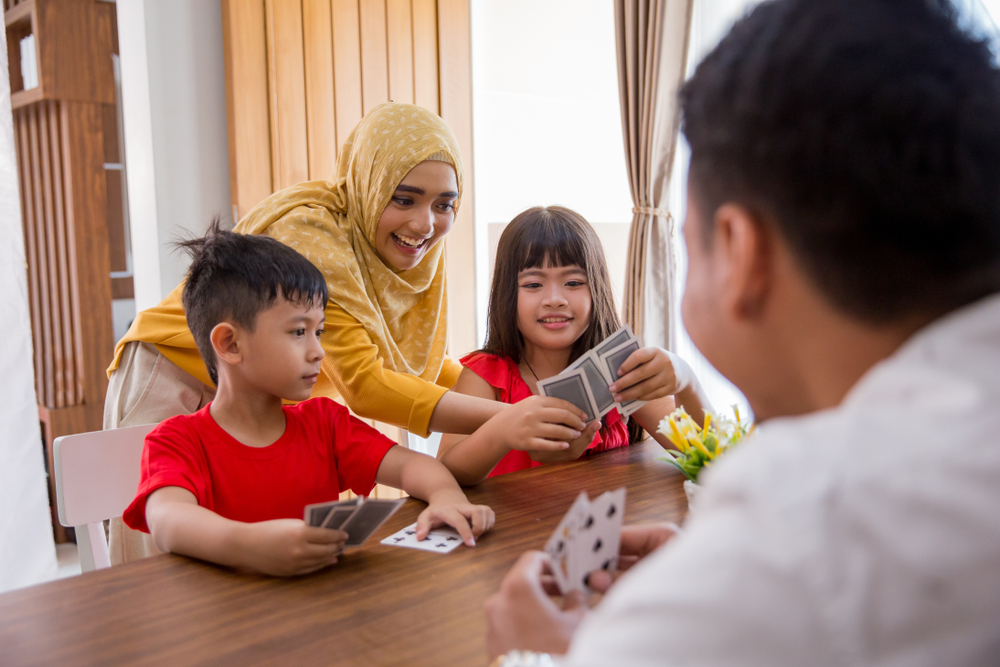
(662, 212)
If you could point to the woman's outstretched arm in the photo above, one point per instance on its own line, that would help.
(373, 391)
(537, 424)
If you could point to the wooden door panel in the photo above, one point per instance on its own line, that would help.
(247, 103)
(399, 34)
(425, 54)
(346, 67)
(321, 118)
(301, 73)
(374, 57)
(287, 82)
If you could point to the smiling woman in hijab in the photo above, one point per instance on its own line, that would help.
(375, 232)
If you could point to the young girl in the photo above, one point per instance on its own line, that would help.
(551, 301)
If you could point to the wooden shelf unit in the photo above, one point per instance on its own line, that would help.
(73, 39)
(65, 132)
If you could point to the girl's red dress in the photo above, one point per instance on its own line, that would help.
(502, 374)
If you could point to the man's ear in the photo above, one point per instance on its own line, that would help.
(745, 244)
(226, 342)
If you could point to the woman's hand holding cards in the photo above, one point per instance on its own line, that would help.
(543, 424)
(453, 509)
(576, 448)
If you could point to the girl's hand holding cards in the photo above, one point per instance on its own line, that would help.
(543, 424)
(650, 373)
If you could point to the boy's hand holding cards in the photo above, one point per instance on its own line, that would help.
(358, 517)
(587, 539)
(585, 383)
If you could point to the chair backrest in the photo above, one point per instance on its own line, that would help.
(97, 475)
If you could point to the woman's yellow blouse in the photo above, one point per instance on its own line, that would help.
(386, 330)
(352, 369)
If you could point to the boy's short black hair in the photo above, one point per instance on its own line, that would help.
(234, 277)
(868, 133)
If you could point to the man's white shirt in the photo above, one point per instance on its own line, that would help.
(868, 534)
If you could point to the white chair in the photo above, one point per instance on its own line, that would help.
(97, 475)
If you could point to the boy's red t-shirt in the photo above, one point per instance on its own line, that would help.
(502, 374)
(323, 451)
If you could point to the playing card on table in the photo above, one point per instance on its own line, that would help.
(571, 386)
(560, 545)
(439, 540)
(366, 519)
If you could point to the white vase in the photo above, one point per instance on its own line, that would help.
(691, 490)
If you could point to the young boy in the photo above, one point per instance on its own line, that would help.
(228, 483)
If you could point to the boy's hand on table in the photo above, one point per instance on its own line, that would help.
(452, 508)
(541, 423)
(288, 547)
(576, 448)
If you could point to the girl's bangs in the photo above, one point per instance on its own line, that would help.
(550, 242)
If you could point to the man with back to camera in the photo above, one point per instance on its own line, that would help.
(843, 234)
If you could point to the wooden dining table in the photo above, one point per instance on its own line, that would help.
(380, 605)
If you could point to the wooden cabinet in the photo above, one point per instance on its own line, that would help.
(66, 133)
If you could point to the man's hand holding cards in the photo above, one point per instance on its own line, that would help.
(587, 539)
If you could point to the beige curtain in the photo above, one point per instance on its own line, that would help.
(652, 37)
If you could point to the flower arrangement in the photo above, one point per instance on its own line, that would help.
(697, 446)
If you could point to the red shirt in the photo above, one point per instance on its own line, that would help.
(502, 374)
(323, 451)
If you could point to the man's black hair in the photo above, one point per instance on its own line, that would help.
(234, 277)
(868, 133)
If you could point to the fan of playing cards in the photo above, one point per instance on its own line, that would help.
(587, 539)
(358, 517)
(585, 382)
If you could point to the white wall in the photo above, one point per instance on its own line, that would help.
(174, 108)
(27, 551)
(547, 121)
(983, 13)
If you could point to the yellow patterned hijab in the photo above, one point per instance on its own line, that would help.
(334, 225)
